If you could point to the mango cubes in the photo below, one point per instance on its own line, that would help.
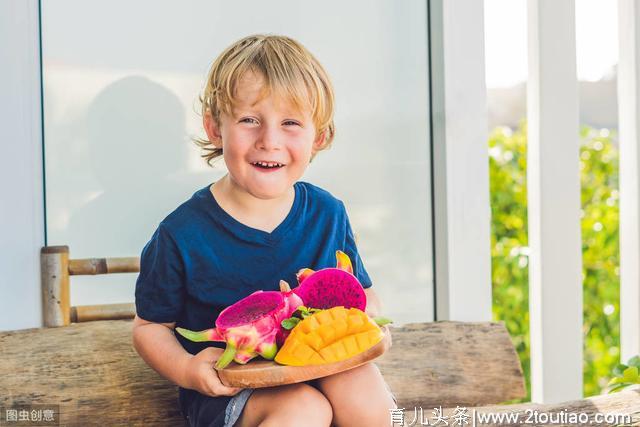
(329, 336)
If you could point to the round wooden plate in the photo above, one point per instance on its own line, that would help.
(267, 373)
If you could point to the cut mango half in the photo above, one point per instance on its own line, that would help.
(329, 336)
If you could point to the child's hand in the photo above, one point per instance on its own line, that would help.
(201, 376)
(371, 311)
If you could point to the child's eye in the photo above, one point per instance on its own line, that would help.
(248, 120)
(291, 123)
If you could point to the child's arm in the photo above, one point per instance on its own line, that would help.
(374, 306)
(160, 349)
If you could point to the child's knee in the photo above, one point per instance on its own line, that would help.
(370, 412)
(305, 400)
(359, 396)
(288, 405)
(300, 404)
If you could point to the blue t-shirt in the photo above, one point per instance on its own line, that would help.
(201, 260)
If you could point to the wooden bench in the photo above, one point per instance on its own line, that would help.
(92, 371)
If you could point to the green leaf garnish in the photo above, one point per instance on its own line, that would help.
(381, 320)
(290, 323)
(301, 313)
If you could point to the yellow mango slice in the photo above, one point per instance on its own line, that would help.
(327, 333)
(327, 355)
(340, 314)
(314, 340)
(324, 317)
(355, 324)
(312, 324)
(329, 336)
(303, 351)
(351, 344)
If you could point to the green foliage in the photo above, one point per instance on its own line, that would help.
(600, 249)
(509, 244)
(600, 257)
(625, 375)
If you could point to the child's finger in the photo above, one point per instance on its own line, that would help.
(223, 390)
(235, 390)
(226, 390)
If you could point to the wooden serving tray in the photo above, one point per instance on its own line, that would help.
(267, 373)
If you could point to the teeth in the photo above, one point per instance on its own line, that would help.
(268, 164)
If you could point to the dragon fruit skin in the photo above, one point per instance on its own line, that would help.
(251, 326)
(292, 302)
(331, 287)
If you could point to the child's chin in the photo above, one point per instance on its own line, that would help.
(270, 193)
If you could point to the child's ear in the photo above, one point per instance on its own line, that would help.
(212, 129)
(319, 143)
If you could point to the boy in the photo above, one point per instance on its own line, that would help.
(267, 109)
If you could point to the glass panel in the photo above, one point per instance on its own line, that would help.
(120, 105)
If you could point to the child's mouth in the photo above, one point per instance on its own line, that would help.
(267, 167)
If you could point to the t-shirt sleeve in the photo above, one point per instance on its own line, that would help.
(351, 250)
(160, 285)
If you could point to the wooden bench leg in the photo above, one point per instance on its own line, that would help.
(54, 269)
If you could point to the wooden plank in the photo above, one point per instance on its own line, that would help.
(553, 180)
(88, 313)
(629, 125)
(462, 212)
(91, 368)
(452, 363)
(92, 266)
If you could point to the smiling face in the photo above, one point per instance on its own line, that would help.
(266, 143)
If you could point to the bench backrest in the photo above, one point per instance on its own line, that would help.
(56, 271)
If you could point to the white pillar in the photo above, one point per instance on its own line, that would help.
(553, 179)
(629, 131)
(460, 161)
(21, 177)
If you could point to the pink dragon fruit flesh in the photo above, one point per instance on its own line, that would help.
(331, 287)
(251, 326)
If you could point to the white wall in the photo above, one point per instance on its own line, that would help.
(21, 185)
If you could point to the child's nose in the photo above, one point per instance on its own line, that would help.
(269, 138)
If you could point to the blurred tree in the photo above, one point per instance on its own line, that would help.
(510, 251)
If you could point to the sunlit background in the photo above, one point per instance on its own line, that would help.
(506, 76)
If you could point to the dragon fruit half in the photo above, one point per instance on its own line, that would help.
(331, 287)
(251, 326)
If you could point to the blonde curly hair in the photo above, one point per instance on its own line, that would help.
(289, 70)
